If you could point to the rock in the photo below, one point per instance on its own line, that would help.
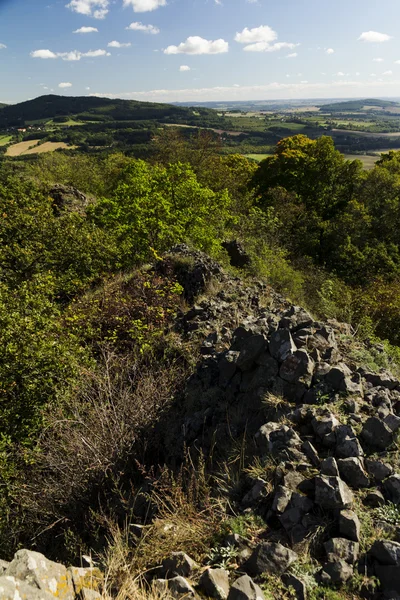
(336, 573)
(238, 256)
(179, 587)
(89, 594)
(392, 421)
(251, 348)
(347, 444)
(297, 584)
(3, 566)
(281, 499)
(341, 548)
(215, 583)
(273, 437)
(386, 552)
(281, 344)
(377, 434)
(311, 453)
(383, 379)
(389, 577)
(244, 588)
(298, 367)
(270, 557)
(89, 578)
(15, 589)
(377, 469)
(349, 525)
(227, 367)
(324, 424)
(329, 467)
(340, 379)
(178, 564)
(392, 488)
(352, 471)
(36, 570)
(257, 492)
(67, 198)
(374, 499)
(296, 318)
(332, 493)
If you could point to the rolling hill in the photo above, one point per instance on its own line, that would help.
(359, 105)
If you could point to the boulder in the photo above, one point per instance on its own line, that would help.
(336, 573)
(215, 583)
(251, 348)
(374, 499)
(88, 578)
(340, 378)
(281, 344)
(297, 584)
(178, 587)
(392, 488)
(341, 548)
(332, 493)
(178, 564)
(256, 493)
(12, 588)
(349, 525)
(386, 552)
(244, 588)
(329, 467)
(281, 499)
(384, 379)
(270, 557)
(377, 469)
(377, 434)
(311, 453)
(238, 256)
(298, 367)
(352, 471)
(389, 578)
(273, 437)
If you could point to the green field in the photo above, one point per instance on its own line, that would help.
(257, 157)
(5, 139)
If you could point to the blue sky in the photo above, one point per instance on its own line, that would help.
(183, 50)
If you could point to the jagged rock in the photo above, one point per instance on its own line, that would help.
(281, 344)
(386, 552)
(270, 557)
(311, 453)
(3, 566)
(88, 594)
(273, 437)
(329, 467)
(238, 256)
(352, 471)
(347, 444)
(392, 488)
(298, 367)
(67, 198)
(251, 348)
(332, 493)
(341, 548)
(215, 583)
(296, 318)
(244, 588)
(374, 499)
(258, 491)
(36, 570)
(264, 376)
(297, 584)
(340, 378)
(324, 424)
(337, 572)
(299, 505)
(384, 379)
(89, 578)
(281, 499)
(392, 421)
(377, 434)
(14, 589)
(178, 587)
(389, 578)
(178, 564)
(349, 525)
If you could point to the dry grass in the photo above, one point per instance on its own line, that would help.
(21, 147)
(32, 147)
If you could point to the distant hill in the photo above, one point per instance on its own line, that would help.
(92, 108)
(359, 105)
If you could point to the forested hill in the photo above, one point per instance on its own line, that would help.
(92, 108)
(360, 105)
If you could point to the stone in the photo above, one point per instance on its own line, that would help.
(386, 552)
(377, 469)
(3, 566)
(341, 548)
(273, 437)
(389, 578)
(36, 570)
(89, 578)
(374, 499)
(178, 587)
(238, 256)
(349, 525)
(392, 421)
(244, 588)
(257, 492)
(298, 367)
(270, 557)
(336, 573)
(329, 467)
(178, 564)
(340, 378)
(281, 344)
(281, 499)
(227, 367)
(332, 493)
(377, 434)
(264, 375)
(353, 472)
(384, 379)
(324, 424)
(89, 594)
(392, 488)
(252, 347)
(12, 588)
(297, 584)
(311, 453)
(215, 583)
(347, 444)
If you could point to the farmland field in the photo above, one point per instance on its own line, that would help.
(21, 148)
(5, 139)
(31, 147)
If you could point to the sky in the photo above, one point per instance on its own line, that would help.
(199, 50)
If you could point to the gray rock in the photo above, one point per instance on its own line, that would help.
(298, 367)
(392, 488)
(392, 421)
(384, 379)
(252, 347)
(347, 445)
(340, 379)
(332, 493)
(352, 471)
(264, 375)
(386, 552)
(244, 588)
(377, 434)
(179, 587)
(227, 367)
(324, 424)
(377, 469)
(215, 583)
(281, 499)
(341, 548)
(297, 584)
(270, 557)
(273, 437)
(374, 499)
(178, 564)
(336, 573)
(257, 492)
(349, 525)
(329, 467)
(389, 577)
(311, 453)
(36, 570)
(12, 588)
(281, 344)
(3, 566)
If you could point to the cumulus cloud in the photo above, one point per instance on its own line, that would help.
(2, 46)
(115, 44)
(65, 84)
(260, 39)
(91, 8)
(138, 26)
(145, 5)
(330, 51)
(86, 30)
(265, 47)
(377, 59)
(374, 36)
(183, 68)
(73, 55)
(387, 73)
(292, 55)
(198, 45)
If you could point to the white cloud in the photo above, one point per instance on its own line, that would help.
(265, 47)
(115, 44)
(377, 59)
(73, 55)
(387, 73)
(137, 26)
(65, 84)
(91, 8)
(330, 51)
(198, 45)
(374, 36)
(183, 68)
(264, 33)
(87, 88)
(292, 55)
(340, 74)
(86, 30)
(2, 46)
(145, 5)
